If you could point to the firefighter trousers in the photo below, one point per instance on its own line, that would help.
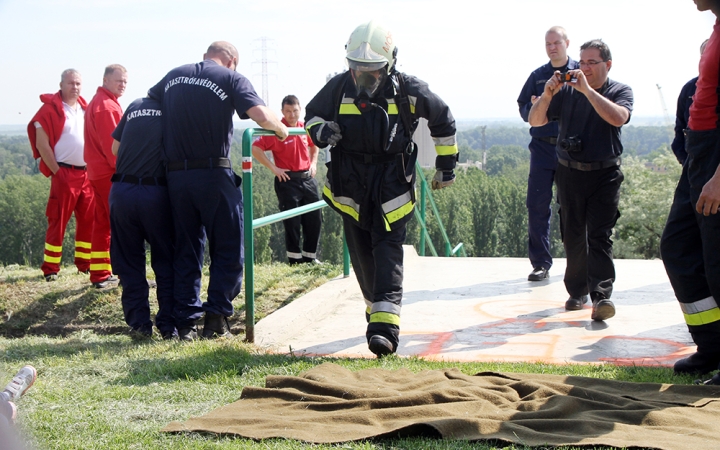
(100, 268)
(70, 192)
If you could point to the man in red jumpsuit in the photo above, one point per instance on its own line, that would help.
(103, 114)
(56, 137)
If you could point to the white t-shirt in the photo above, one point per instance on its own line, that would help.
(69, 148)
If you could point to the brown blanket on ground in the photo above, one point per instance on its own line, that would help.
(332, 404)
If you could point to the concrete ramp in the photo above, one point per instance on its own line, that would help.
(484, 309)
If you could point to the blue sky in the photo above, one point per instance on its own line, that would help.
(476, 57)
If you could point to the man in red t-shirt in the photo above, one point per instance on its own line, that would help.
(56, 137)
(102, 116)
(691, 238)
(294, 166)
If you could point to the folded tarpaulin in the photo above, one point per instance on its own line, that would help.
(329, 404)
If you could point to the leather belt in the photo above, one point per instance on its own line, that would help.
(70, 166)
(589, 166)
(146, 181)
(300, 174)
(549, 140)
(206, 163)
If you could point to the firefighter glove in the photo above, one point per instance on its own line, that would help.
(442, 178)
(328, 133)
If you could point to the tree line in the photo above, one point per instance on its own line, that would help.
(483, 210)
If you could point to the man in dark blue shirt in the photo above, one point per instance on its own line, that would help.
(590, 109)
(682, 115)
(139, 212)
(543, 159)
(198, 104)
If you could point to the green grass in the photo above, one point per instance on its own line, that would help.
(101, 390)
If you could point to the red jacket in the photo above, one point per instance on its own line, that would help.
(51, 116)
(102, 116)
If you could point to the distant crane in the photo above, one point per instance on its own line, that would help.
(664, 107)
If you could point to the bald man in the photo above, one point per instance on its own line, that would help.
(198, 104)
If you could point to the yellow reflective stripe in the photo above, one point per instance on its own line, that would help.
(392, 109)
(445, 150)
(51, 259)
(81, 255)
(367, 310)
(401, 212)
(349, 108)
(95, 267)
(383, 317)
(53, 248)
(100, 255)
(703, 318)
(82, 244)
(344, 208)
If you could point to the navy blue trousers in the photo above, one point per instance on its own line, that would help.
(137, 214)
(538, 202)
(206, 202)
(588, 213)
(291, 194)
(690, 244)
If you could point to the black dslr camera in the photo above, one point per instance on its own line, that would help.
(573, 144)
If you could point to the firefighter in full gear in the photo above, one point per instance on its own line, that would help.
(368, 115)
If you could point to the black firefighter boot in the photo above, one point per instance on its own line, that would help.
(216, 325)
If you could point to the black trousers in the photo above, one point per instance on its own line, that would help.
(377, 259)
(588, 212)
(539, 198)
(690, 244)
(291, 194)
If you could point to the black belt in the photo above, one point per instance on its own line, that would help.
(369, 158)
(588, 166)
(207, 163)
(70, 166)
(549, 140)
(145, 181)
(301, 174)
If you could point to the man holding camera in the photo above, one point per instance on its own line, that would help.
(590, 110)
(543, 158)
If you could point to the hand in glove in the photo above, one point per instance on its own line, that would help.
(442, 179)
(328, 133)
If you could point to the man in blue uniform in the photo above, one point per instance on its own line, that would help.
(368, 114)
(198, 104)
(543, 159)
(590, 110)
(682, 115)
(139, 212)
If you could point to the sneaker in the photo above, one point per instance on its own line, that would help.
(576, 303)
(603, 309)
(380, 346)
(188, 334)
(539, 274)
(20, 383)
(108, 282)
(216, 325)
(51, 277)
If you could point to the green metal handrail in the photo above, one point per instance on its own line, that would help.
(250, 224)
(426, 194)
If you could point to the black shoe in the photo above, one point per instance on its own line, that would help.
(140, 335)
(188, 334)
(576, 303)
(216, 325)
(171, 335)
(110, 281)
(697, 364)
(714, 381)
(51, 277)
(603, 309)
(539, 274)
(380, 345)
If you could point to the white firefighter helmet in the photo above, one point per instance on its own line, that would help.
(371, 47)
